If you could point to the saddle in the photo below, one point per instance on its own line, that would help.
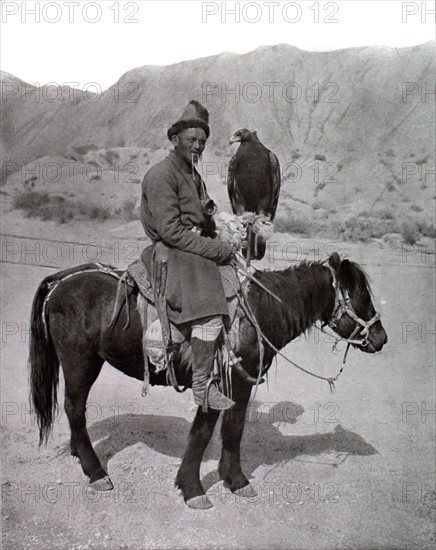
(162, 340)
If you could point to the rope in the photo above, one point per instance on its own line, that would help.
(54, 284)
(331, 380)
(239, 265)
(260, 335)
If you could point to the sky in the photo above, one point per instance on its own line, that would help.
(84, 42)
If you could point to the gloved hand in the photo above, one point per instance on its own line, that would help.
(229, 251)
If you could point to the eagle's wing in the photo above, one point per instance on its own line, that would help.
(232, 188)
(276, 179)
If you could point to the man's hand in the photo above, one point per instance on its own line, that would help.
(228, 252)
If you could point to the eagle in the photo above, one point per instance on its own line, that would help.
(253, 184)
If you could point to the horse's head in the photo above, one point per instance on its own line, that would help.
(354, 316)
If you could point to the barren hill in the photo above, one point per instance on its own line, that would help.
(354, 129)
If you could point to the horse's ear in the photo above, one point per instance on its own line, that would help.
(335, 261)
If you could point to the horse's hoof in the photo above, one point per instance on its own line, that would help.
(199, 503)
(103, 484)
(246, 492)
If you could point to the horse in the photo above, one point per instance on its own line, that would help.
(71, 327)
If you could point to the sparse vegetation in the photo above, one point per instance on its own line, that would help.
(362, 228)
(110, 156)
(127, 211)
(422, 161)
(384, 214)
(319, 187)
(31, 181)
(83, 149)
(409, 232)
(292, 222)
(426, 229)
(44, 206)
(365, 229)
(295, 154)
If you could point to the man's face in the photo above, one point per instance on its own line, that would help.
(191, 141)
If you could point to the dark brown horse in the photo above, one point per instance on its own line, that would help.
(69, 327)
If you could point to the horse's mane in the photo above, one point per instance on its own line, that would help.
(356, 276)
(301, 289)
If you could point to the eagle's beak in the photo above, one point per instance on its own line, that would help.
(234, 139)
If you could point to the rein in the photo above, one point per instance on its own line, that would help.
(342, 306)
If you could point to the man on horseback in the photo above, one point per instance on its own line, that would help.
(177, 215)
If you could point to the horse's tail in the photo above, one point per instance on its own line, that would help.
(43, 364)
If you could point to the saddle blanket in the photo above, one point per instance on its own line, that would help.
(142, 278)
(153, 344)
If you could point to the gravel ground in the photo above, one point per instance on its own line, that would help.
(352, 469)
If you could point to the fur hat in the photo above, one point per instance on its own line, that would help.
(194, 116)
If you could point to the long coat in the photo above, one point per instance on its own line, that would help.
(171, 211)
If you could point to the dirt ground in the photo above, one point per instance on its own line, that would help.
(352, 469)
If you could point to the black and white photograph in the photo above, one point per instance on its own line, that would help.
(218, 274)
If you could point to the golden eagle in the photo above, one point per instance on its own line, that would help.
(253, 183)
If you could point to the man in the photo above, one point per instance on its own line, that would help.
(176, 211)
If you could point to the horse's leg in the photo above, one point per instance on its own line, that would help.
(231, 433)
(79, 378)
(188, 476)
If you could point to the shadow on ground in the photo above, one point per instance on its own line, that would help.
(262, 443)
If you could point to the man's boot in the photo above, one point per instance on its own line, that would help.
(203, 354)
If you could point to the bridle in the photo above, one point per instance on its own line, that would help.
(343, 306)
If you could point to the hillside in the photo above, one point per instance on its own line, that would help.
(343, 132)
